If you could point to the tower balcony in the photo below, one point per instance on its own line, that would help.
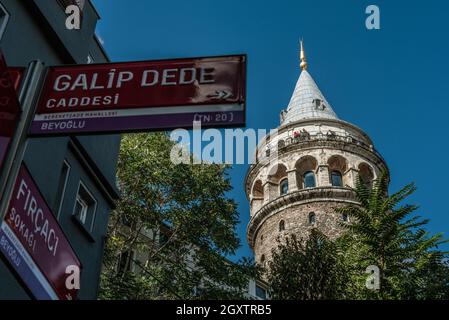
(292, 145)
(304, 141)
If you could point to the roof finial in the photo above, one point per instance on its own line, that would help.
(303, 63)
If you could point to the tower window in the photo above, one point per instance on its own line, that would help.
(281, 144)
(319, 104)
(309, 180)
(283, 187)
(345, 217)
(366, 174)
(262, 261)
(281, 225)
(312, 218)
(267, 152)
(336, 179)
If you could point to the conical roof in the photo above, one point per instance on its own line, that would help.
(307, 100)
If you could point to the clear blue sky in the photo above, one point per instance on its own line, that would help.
(393, 83)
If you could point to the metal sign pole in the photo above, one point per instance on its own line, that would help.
(27, 98)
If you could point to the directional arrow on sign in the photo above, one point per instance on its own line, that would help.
(220, 94)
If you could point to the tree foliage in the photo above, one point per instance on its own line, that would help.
(382, 232)
(180, 222)
(307, 269)
(387, 234)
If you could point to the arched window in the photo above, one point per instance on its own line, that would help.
(345, 217)
(337, 166)
(257, 189)
(336, 179)
(262, 261)
(309, 180)
(366, 174)
(261, 239)
(283, 187)
(281, 225)
(312, 218)
(305, 168)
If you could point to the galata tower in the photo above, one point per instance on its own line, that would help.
(306, 170)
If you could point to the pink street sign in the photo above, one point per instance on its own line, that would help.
(9, 105)
(142, 96)
(34, 225)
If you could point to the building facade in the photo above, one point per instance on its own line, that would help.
(76, 175)
(306, 170)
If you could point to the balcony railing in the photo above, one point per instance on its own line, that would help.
(304, 138)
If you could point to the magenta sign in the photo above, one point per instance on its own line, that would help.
(9, 106)
(142, 96)
(33, 224)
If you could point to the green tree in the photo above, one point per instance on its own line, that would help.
(307, 269)
(382, 232)
(387, 234)
(179, 221)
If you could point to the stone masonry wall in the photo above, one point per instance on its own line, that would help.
(296, 219)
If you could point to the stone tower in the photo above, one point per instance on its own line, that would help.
(306, 170)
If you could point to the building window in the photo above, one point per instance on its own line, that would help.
(4, 18)
(163, 238)
(85, 207)
(281, 225)
(127, 221)
(126, 261)
(283, 187)
(336, 179)
(345, 217)
(261, 292)
(261, 239)
(62, 186)
(312, 218)
(309, 180)
(81, 208)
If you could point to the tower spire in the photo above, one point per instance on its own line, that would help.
(302, 56)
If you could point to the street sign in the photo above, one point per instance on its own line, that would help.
(34, 243)
(16, 75)
(9, 106)
(142, 96)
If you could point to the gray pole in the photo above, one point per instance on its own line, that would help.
(28, 98)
